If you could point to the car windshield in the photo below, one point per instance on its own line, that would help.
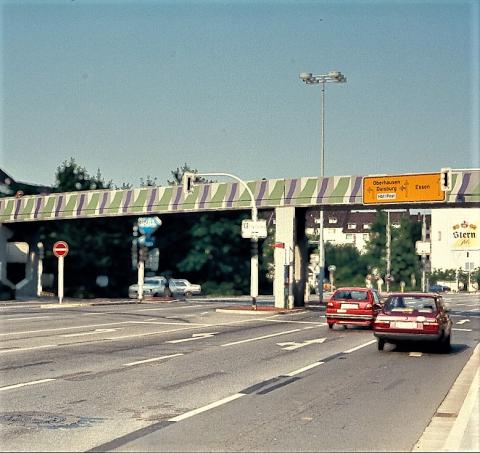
(410, 303)
(151, 281)
(350, 295)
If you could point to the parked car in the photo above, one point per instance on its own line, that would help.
(152, 286)
(181, 286)
(413, 317)
(438, 288)
(357, 306)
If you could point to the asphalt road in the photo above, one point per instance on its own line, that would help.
(184, 377)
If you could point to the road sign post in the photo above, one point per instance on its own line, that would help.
(60, 250)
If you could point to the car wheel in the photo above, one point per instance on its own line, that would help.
(330, 325)
(380, 344)
(188, 294)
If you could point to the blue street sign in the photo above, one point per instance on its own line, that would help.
(148, 225)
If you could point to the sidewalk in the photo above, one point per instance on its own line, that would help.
(456, 425)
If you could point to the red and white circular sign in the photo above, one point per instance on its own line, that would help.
(60, 249)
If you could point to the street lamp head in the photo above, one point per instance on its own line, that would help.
(337, 76)
(306, 76)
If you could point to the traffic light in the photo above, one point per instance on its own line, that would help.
(446, 179)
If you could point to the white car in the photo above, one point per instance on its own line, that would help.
(183, 287)
(152, 286)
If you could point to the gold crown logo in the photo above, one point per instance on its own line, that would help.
(473, 226)
(464, 224)
(456, 227)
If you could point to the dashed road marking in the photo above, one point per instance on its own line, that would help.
(155, 359)
(24, 384)
(248, 340)
(356, 348)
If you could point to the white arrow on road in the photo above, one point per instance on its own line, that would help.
(291, 345)
(94, 332)
(195, 336)
(463, 321)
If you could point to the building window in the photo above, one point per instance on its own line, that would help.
(366, 237)
(367, 226)
(349, 237)
(352, 226)
(332, 220)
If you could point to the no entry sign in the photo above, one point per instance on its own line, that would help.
(60, 249)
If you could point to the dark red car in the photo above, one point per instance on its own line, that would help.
(413, 317)
(356, 306)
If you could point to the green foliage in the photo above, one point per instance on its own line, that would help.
(403, 259)
(217, 251)
(349, 263)
(97, 246)
(71, 177)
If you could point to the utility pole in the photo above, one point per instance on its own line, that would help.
(424, 257)
(389, 240)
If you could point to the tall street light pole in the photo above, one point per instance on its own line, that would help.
(310, 79)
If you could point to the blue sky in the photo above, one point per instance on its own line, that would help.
(137, 88)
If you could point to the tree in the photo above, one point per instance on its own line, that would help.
(97, 246)
(71, 177)
(403, 259)
(350, 267)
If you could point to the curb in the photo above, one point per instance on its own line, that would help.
(448, 426)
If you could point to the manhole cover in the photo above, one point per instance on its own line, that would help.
(36, 419)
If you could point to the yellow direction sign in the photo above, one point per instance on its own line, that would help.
(402, 189)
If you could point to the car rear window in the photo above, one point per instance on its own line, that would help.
(350, 295)
(409, 303)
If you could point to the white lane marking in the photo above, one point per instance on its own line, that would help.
(356, 348)
(168, 308)
(415, 354)
(28, 349)
(94, 332)
(206, 408)
(169, 323)
(305, 368)
(261, 338)
(30, 317)
(475, 309)
(461, 330)
(463, 321)
(195, 336)
(297, 322)
(67, 328)
(292, 345)
(151, 360)
(24, 384)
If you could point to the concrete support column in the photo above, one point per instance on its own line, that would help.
(290, 258)
(5, 234)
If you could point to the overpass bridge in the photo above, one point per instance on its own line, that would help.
(288, 197)
(333, 191)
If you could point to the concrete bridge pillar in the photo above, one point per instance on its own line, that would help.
(5, 235)
(290, 257)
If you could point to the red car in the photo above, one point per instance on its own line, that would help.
(356, 306)
(413, 317)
